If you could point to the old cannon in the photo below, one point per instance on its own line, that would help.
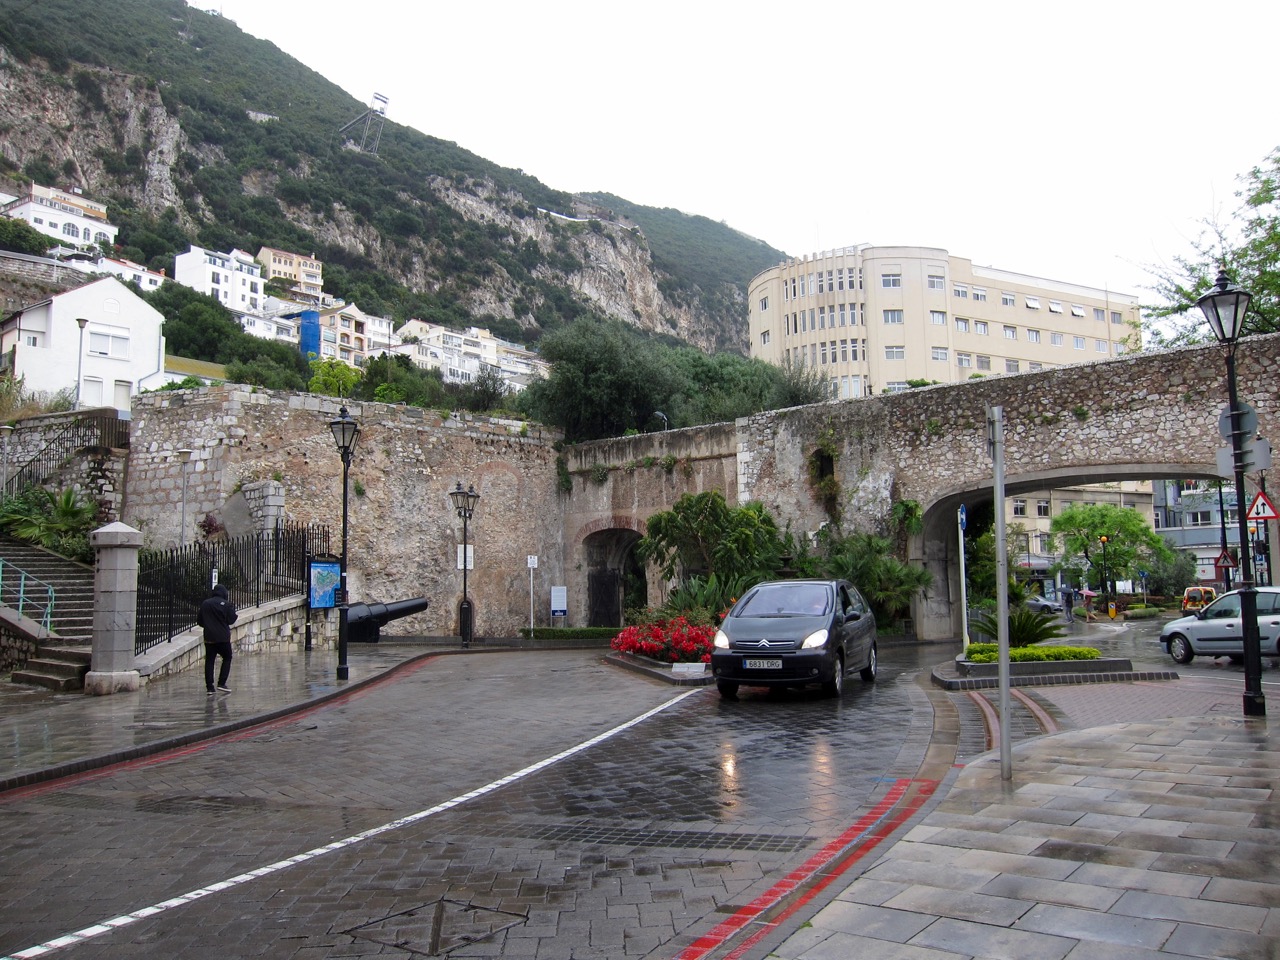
(366, 620)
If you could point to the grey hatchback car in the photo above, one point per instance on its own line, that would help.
(791, 633)
(1217, 630)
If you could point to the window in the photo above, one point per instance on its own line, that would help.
(1019, 507)
(893, 316)
(938, 318)
(844, 351)
(71, 230)
(1010, 333)
(940, 353)
(1077, 310)
(980, 293)
(1011, 366)
(108, 345)
(1033, 336)
(1042, 508)
(1035, 367)
(842, 314)
(821, 286)
(823, 355)
(962, 325)
(1100, 346)
(32, 340)
(895, 352)
(1046, 542)
(960, 290)
(840, 279)
(1055, 339)
(890, 279)
(101, 237)
(809, 291)
(1116, 317)
(980, 327)
(984, 363)
(1099, 314)
(895, 386)
(91, 392)
(937, 282)
(1199, 518)
(1033, 303)
(1078, 342)
(822, 318)
(964, 360)
(764, 303)
(1007, 299)
(764, 338)
(1055, 306)
(215, 277)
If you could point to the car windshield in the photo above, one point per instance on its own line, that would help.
(1224, 609)
(787, 600)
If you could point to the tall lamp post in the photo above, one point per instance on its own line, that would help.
(464, 501)
(82, 321)
(346, 432)
(185, 456)
(1103, 540)
(1225, 307)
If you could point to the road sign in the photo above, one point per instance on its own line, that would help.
(964, 516)
(1262, 508)
(1256, 456)
(1224, 560)
(1248, 421)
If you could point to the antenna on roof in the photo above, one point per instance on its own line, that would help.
(373, 118)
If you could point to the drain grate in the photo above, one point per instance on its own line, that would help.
(437, 928)
(674, 839)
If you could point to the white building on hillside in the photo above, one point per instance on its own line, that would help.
(100, 342)
(233, 279)
(64, 215)
(130, 272)
(462, 355)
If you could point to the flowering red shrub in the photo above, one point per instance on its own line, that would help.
(670, 641)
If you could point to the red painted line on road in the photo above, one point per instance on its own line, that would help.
(868, 832)
(1046, 722)
(243, 733)
(990, 719)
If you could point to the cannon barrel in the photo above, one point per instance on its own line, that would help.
(365, 620)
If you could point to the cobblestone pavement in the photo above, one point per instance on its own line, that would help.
(621, 849)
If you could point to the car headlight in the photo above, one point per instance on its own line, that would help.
(721, 640)
(815, 639)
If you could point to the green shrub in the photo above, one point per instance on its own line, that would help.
(990, 653)
(1026, 626)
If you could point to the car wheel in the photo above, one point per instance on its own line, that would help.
(1236, 658)
(728, 690)
(1180, 649)
(835, 687)
(869, 671)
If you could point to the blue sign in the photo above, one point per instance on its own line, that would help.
(325, 578)
(963, 515)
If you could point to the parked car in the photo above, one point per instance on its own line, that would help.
(1217, 629)
(1041, 604)
(1194, 598)
(791, 633)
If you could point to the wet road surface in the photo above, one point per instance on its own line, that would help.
(484, 806)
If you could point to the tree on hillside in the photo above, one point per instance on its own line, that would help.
(1248, 245)
(1131, 543)
(20, 237)
(333, 378)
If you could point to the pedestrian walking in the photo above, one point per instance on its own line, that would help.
(216, 615)
(1068, 601)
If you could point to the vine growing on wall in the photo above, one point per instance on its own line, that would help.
(823, 481)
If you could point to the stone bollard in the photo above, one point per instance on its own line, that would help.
(115, 588)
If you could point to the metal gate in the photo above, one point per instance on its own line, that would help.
(604, 598)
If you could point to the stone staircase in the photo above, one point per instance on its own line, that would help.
(61, 661)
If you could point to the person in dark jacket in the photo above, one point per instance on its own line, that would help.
(216, 615)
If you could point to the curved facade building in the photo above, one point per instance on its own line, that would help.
(875, 319)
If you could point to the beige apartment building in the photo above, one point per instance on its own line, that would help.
(305, 275)
(874, 319)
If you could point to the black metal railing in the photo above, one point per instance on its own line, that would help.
(103, 429)
(255, 569)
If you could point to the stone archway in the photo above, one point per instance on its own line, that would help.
(615, 578)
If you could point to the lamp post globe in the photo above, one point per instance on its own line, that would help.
(464, 502)
(346, 432)
(1225, 307)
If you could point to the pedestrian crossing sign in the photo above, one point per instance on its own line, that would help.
(1262, 508)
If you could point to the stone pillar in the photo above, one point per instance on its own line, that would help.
(115, 588)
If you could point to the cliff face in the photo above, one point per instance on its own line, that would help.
(113, 135)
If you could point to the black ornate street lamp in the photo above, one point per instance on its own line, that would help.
(464, 501)
(1225, 307)
(346, 432)
(1105, 589)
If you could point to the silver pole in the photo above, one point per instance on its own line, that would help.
(995, 429)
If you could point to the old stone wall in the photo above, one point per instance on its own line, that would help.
(403, 528)
(17, 640)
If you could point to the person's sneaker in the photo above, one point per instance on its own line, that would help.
(222, 689)
(209, 692)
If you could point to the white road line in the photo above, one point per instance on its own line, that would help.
(115, 923)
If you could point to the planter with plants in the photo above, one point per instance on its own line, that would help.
(1030, 650)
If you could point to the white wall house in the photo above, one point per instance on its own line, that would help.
(63, 215)
(118, 351)
(130, 272)
(461, 355)
(233, 279)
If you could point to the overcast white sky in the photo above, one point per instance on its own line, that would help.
(1078, 142)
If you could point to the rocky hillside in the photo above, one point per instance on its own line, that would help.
(193, 131)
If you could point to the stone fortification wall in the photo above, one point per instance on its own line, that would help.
(403, 529)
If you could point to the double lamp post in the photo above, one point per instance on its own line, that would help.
(1225, 307)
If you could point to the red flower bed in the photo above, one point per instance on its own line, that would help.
(668, 641)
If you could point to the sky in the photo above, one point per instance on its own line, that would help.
(1086, 143)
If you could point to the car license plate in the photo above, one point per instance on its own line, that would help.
(762, 664)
